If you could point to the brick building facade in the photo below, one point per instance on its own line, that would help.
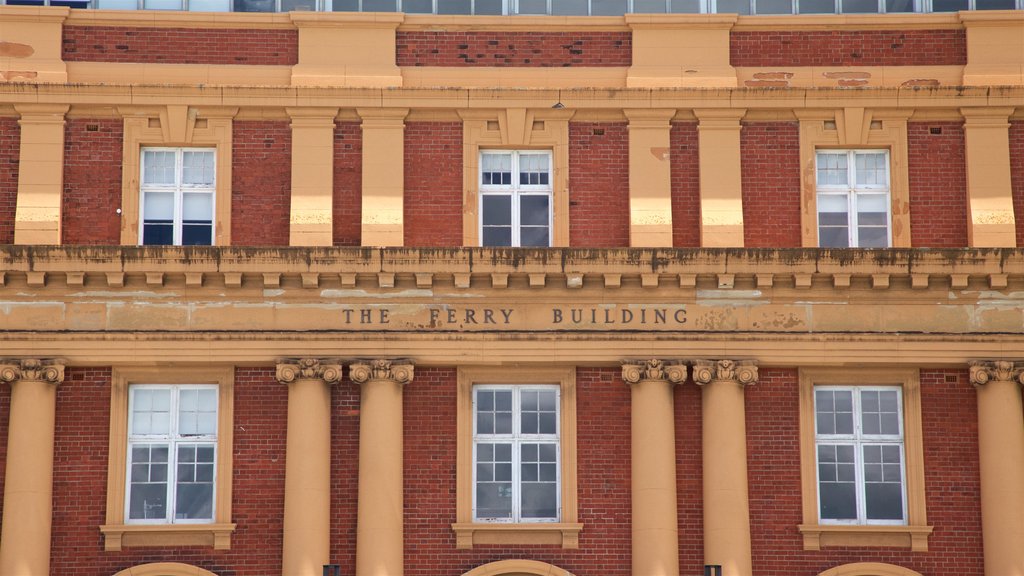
(386, 293)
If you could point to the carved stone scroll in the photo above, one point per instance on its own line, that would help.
(743, 372)
(982, 372)
(634, 372)
(308, 369)
(32, 369)
(380, 369)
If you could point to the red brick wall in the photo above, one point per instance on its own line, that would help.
(770, 168)
(685, 159)
(598, 184)
(514, 49)
(92, 181)
(848, 48)
(1017, 176)
(10, 150)
(348, 183)
(604, 480)
(689, 477)
(80, 480)
(951, 477)
(180, 45)
(938, 185)
(345, 472)
(5, 415)
(433, 184)
(261, 183)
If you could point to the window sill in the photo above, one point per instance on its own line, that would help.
(118, 536)
(566, 535)
(818, 536)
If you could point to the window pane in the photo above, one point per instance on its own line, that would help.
(118, 4)
(147, 497)
(649, 6)
(608, 7)
(871, 168)
(534, 210)
(832, 169)
(493, 481)
(162, 4)
(497, 210)
(496, 169)
(487, 7)
(209, 5)
(899, 5)
(298, 5)
(872, 237)
(817, 6)
(734, 6)
(685, 6)
(494, 500)
(949, 5)
(774, 6)
(883, 488)
(540, 500)
(497, 236)
(345, 5)
(836, 482)
(197, 235)
(379, 6)
(534, 236)
(994, 4)
(197, 207)
(568, 7)
(860, 6)
(254, 5)
(454, 7)
(533, 7)
(158, 206)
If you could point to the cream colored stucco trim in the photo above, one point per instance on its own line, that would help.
(806, 22)
(383, 175)
(869, 569)
(175, 125)
(517, 568)
(164, 569)
(515, 129)
(37, 218)
(177, 19)
(312, 183)
(455, 23)
(721, 186)
(117, 533)
(913, 535)
(650, 177)
(469, 533)
(990, 215)
(854, 129)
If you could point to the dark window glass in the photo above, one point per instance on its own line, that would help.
(200, 234)
(454, 7)
(158, 233)
(948, 5)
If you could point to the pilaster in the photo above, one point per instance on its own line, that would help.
(650, 177)
(726, 504)
(383, 218)
(311, 220)
(379, 533)
(721, 186)
(989, 196)
(1001, 457)
(654, 518)
(28, 483)
(40, 173)
(307, 483)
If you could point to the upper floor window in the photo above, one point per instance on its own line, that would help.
(853, 199)
(515, 198)
(178, 197)
(172, 445)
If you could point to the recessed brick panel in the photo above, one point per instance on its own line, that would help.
(92, 181)
(685, 159)
(514, 49)
(598, 184)
(261, 183)
(80, 480)
(348, 183)
(10, 150)
(1017, 176)
(604, 480)
(345, 472)
(787, 49)
(180, 45)
(5, 418)
(770, 169)
(938, 185)
(951, 478)
(433, 184)
(689, 477)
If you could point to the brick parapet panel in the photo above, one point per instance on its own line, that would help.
(433, 184)
(938, 184)
(770, 172)
(92, 181)
(598, 184)
(5, 419)
(10, 151)
(348, 183)
(345, 471)
(787, 49)
(80, 480)
(949, 411)
(689, 477)
(604, 480)
(1017, 176)
(514, 49)
(180, 45)
(685, 159)
(261, 182)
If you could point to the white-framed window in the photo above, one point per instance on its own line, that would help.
(853, 199)
(172, 454)
(515, 198)
(516, 453)
(178, 193)
(860, 455)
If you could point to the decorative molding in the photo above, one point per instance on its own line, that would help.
(982, 372)
(517, 568)
(289, 371)
(32, 369)
(381, 369)
(743, 372)
(654, 369)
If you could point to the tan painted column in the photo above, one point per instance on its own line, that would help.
(312, 206)
(1001, 455)
(726, 508)
(40, 173)
(721, 188)
(989, 197)
(307, 481)
(650, 178)
(28, 484)
(379, 540)
(383, 176)
(653, 445)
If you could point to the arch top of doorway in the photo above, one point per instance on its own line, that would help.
(869, 569)
(164, 569)
(517, 568)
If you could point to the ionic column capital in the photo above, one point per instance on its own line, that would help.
(634, 372)
(290, 370)
(742, 372)
(397, 371)
(983, 372)
(32, 369)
